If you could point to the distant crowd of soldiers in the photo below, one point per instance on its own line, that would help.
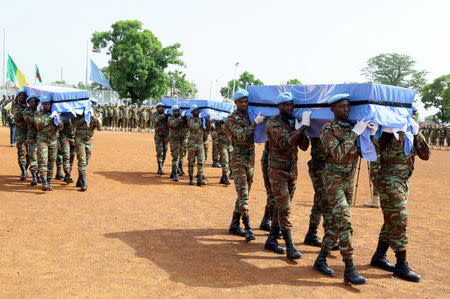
(127, 118)
(437, 135)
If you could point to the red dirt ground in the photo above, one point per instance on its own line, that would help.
(137, 234)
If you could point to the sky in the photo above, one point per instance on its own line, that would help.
(314, 41)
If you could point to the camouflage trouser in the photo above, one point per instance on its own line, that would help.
(142, 124)
(47, 153)
(320, 206)
(282, 184)
(373, 175)
(215, 147)
(206, 145)
(175, 150)
(114, 122)
(66, 153)
(133, 123)
(339, 194)
(224, 157)
(196, 150)
(21, 144)
(270, 201)
(84, 151)
(184, 148)
(243, 171)
(161, 144)
(32, 153)
(441, 141)
(393, 190)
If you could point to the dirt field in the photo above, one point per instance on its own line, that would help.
(137, 234)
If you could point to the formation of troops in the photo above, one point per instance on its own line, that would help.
(43, 140)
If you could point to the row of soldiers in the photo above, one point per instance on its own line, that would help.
(44, 139)
(127, 118)
(438, 136)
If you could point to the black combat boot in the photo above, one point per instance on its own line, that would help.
(180, 168)
(49, 180)
(215, 164)
(78, 184)
(23, 175)
(191, 180)
(39, 179)
(291, 252)
(265, 222)
(249, 236)
(231, 176)
(272, 242)
(174, 175)
(311, 237)
(44, 184)
(321, 265)
(33, 178)
(235, 228)
(379, 259)
(68, 178)
(58, 175)
(160, 169)
(200, 181)
(402, 270)
(352, 276)
(83, 182)
(335, 247)
(225, 179)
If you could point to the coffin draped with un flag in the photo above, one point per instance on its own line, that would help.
(208, 108)
(388, 106)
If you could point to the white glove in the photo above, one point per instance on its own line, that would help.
(183, 113)
(200, 115)
(298, 124)
(360, 126)
(54, 113)
(414, 126)
(259, 118)
(306, 118)
(373, 128)
(166, 112)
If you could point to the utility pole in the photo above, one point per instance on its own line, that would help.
(234, 77)
(4, 56)
(87, 61)
(61, 75)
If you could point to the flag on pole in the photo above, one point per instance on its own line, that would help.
(15, 75)
(38, 75)
(97, 76)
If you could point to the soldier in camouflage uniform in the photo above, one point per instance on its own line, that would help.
(47, 139)
(66, 149)
(215, 148)
(447, 128)
(133, 118)
(240, 131)
(177, 131)
(284, 140)
(115, 117)
(196, 146)
(84, 135)
(183, 150)
(206, 138)
(223, 144)
(28, 116)
(392, 183)
(442, 135)
(17, 108)
(143, 119)
(161, 135)
(341, 156)
(434, 135)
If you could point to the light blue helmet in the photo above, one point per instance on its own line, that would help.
(159, 104)
(30, 97)
(175, 107)
(20, 91)
(414, 107)
(93, 100)
(284, 97)
(338, 97)
(46, 99)
(240, 94)
(193, 107)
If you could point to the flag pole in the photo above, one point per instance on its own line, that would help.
(4, 55)
(35, 73)
(87, 61)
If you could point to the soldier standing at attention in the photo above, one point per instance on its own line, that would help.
(28, 115)
(392, 184)
(177, 125)
(84, 135)
(224, 146)
(341, 156)
(184, 144)
(240, 131)
(284, 140)
(17, 108)
(161, 135)
(48, 124)
(215, 147)
(270, 209)
(195, 146)
(115, 117)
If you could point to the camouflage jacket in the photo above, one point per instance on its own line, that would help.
(47, 130)
(28, 116)
(196, 131)
(134, 113)
(17, 111)
(177, 127)
(339, 143)
(317, 151)
(393, 160)
(68, 130)
(115, 112)
(160, 121)
(83, 130)
(283, 143)
(240, 132)
(222, 133)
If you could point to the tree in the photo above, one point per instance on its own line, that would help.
(245, 79)
(293, 82)
(185, 88)
(394, 69)
(137, 60)
(437, 95)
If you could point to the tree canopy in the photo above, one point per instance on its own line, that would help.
(437, 95)
(184, 88)
(293, 82)
(394, 69)
(245, 79)
(137, 60)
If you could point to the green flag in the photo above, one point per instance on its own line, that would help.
(38, 75)
(14, 74)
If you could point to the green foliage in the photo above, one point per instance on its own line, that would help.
(293, 82)
(437, 95)
(184, 88)
(245, 79)
(137, 60)
(394, 69)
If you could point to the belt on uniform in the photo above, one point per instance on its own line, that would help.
(243, 151)
(281, 165)
(339, 172)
